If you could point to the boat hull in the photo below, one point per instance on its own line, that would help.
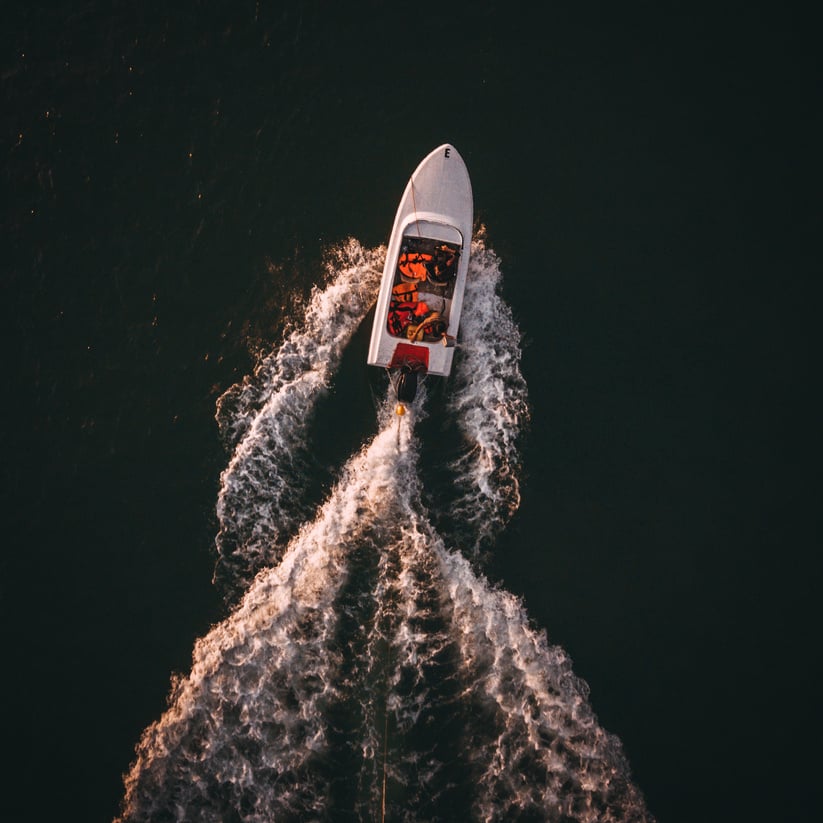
(428, 258)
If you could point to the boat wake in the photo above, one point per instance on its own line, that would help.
(261, 499)
(369, 670)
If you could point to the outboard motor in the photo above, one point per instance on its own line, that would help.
(406, 385)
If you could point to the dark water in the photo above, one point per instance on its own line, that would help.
(174, 182)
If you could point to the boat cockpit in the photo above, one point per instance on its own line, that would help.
(422, 290)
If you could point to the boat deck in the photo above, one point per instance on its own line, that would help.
(424, 281)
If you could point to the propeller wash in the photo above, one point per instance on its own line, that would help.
(368, 670)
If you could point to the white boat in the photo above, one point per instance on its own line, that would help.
(421, 293)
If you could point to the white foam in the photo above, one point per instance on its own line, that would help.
(260, 501)
(365, 654)
(541, 750)
(489, 401)
(249, 719)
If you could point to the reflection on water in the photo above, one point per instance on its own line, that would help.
(369, 671)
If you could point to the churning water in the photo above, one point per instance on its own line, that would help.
(368, 669)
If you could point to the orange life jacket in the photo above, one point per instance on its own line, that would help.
(405, 291)
(414, 265)
(421, 310)
(402, 313)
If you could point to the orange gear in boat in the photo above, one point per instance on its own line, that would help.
(446, 255)
(405, 292)
(415, 265)
(403, 313)
(431, 328)
(400, 316)
(422, 309)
